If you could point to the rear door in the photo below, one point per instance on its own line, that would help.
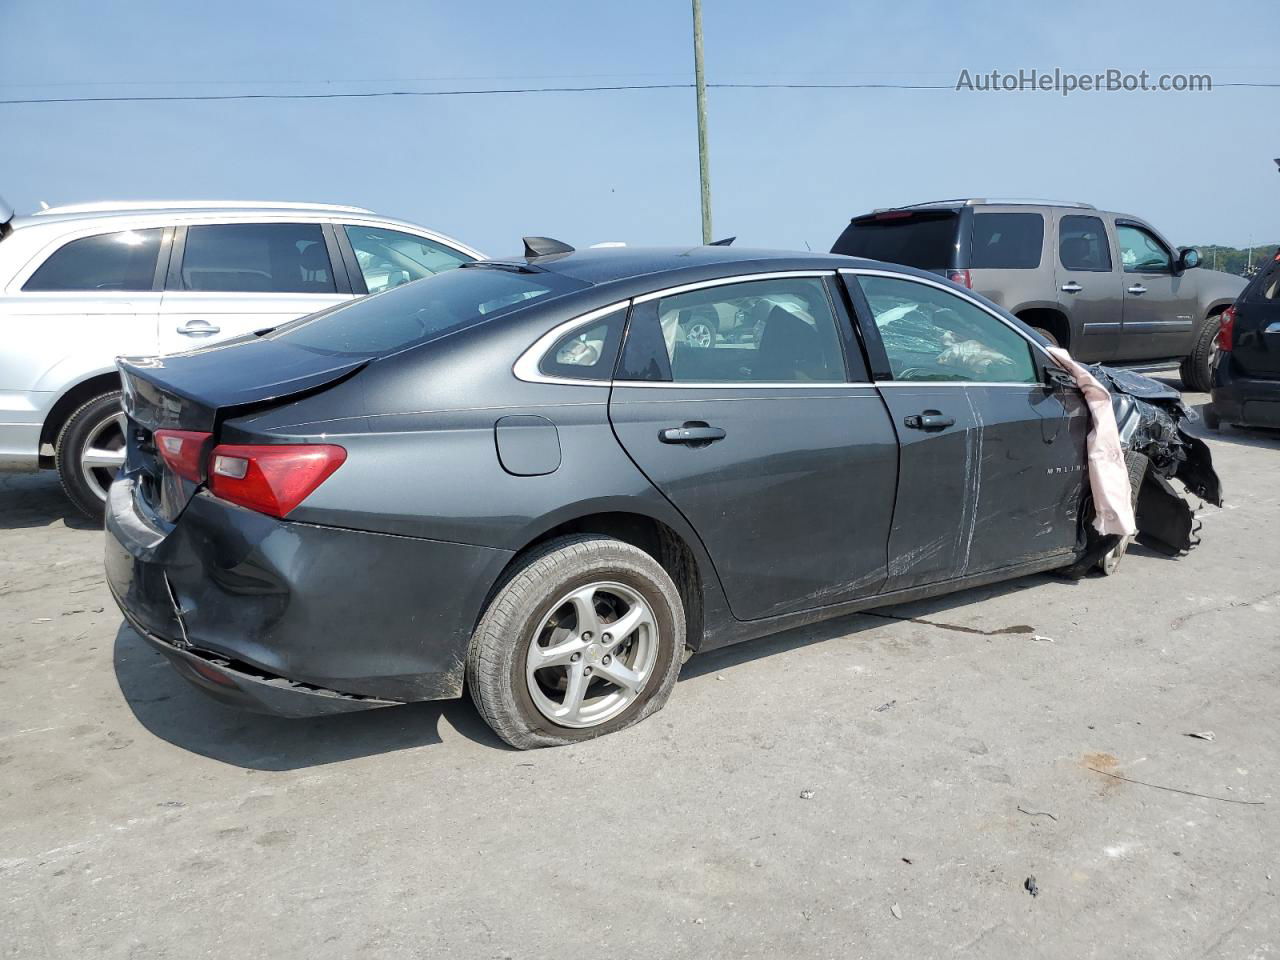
(229, 279)
(1158, 315)
(928, 238)
(992, 466)
(1256, 337)
(1088, 283)
(781, 460)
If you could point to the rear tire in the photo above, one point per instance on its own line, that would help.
(563, 597)
(86, 452)
(1053, 341)
(1212, 420)
(1196, 369)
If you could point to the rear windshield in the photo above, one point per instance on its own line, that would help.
(420, 312)
(924, 240)
(1007, 241)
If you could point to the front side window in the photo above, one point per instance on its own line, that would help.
(1082, 244)
(257, 258)
(109, 261)
(931, 334)
(762, 331)
(389, 258)
(1141, 252)
(1007, 241)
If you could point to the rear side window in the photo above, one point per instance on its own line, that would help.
(418, 313)
(1007, 241)
(589, 352)
(925, 240)
(257, 258)
(389, 258)
(109, 261)
(1082, 244)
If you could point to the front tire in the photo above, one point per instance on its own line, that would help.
(1196, 368)
(548, 664)
(89, 451)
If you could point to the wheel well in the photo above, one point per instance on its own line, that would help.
(654, 538)
(1051, 320)
(69, 402)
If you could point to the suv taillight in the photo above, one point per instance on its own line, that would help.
(1227, 328)
(271, 478)
(962, 277)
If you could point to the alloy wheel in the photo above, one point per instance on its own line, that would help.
(102, 454)
(592, 655)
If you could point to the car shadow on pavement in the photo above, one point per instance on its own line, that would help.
(36, 500)
(175, 711)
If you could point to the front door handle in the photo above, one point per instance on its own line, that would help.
(1071, 287)
(929, 420)
(198, 328)
(692, 433)
(1137, 289)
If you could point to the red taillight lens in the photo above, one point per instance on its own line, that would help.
(183, 452)
(1227, 328)
(271, 478)
(961, 277)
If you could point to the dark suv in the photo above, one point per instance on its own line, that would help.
(1246, 380)
(1107, 286)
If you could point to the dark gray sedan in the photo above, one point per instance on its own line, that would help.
(521, 476)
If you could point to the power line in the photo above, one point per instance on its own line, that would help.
(603, 88)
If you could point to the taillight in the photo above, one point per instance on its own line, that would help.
(271, 478)
(183, 452)
(961, 277)
(1227, 328)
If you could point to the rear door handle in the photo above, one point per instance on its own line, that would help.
(1071, 287)
(1137, 289)
(693, 433)
(929, 420)
(198, 328)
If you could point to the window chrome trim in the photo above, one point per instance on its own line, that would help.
(1037, 350)
(724, 281)
(827, 385)
(526, 366)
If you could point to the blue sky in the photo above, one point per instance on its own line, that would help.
(788, 166)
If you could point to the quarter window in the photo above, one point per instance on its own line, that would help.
(109, 261)
(1141, 252)
(931, 334)
(1082, 244)
(762, 331)
(389, 258)
(1007, 241)
(587, 353)
(257, 258)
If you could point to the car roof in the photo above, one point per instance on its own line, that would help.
(985, 202)
(600, 265)
(130, 208)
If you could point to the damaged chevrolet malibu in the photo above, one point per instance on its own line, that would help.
(551, 479)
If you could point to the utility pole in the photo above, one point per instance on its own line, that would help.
(704, 164)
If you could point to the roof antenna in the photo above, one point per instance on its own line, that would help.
(544, 247)
(726, 242)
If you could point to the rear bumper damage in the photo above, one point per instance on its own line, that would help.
(1151, 418)
(294, 618)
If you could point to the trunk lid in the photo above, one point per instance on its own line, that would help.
(1255, 348)
(197, 391)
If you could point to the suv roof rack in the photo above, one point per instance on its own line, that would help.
(123, 206)
(977, 201)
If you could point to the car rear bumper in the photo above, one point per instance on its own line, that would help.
(1253, 401)
(296, 618)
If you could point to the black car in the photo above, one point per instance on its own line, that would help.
(1246, 379)
(520, 476)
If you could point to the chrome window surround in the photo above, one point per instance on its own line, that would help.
(526, 367)
(1035, 347)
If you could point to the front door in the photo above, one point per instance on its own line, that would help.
(1158, 304)
(229, 279)
(992, 467)
(784, 467)
(1088, 284)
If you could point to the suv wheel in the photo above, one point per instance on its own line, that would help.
(1053, 341)
(89, 451)
(583, 639)
(1196, 369)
